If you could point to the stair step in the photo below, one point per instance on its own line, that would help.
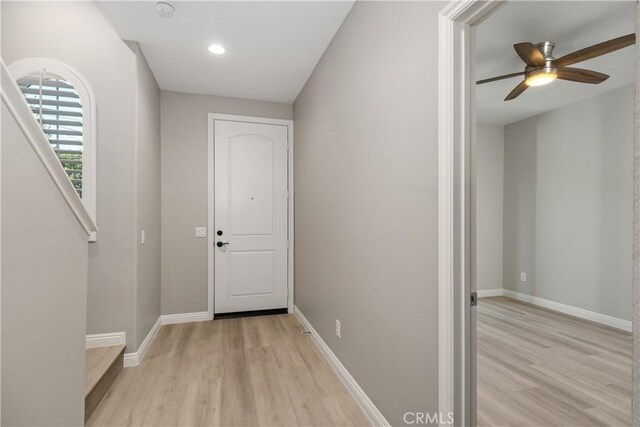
(102, 366)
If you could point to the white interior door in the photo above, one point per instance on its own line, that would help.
(250, 252)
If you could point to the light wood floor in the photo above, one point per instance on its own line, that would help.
(540, 368)
(232, 372)
(97, 362)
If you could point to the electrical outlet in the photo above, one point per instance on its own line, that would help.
(523, 277)
(143, 237)
(201, 231)
(337, 328)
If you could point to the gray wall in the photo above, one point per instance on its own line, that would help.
(568, 204)
(489, 205)
(111, 76)
(44, 292)
(124, 277)
(184, 191)
(366, 201)
(148, 197)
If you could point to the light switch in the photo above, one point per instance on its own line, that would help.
(142, 237)
(201, 231)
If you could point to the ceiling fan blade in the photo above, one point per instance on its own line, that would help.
(517, 91)
(596, 50)
(506, 76)
(582, 76)
(530, 54)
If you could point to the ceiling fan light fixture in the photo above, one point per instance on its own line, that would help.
(541, 76)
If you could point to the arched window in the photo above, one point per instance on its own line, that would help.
(63, 104)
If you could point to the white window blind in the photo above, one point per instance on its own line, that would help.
(57, 106)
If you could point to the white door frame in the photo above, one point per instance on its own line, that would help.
(456, 215)
(211, 198)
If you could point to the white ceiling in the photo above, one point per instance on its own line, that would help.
(571, 25)
(272, 47)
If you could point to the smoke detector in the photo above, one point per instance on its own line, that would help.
(165, 9)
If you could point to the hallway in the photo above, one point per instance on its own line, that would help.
(234, 372)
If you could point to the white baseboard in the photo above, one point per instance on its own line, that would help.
(375, 416)
(498, 292)
(170, 319)
(106, 340)
(134, 359)
(603, 319)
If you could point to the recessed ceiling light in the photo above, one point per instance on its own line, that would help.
(165, 9)
(217, 49)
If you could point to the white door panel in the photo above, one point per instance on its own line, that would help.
(251, 273)
(251, 160)
(251, 212)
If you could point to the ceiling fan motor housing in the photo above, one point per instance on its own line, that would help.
(547, 50)
(548, 69)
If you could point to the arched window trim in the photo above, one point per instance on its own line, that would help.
(28, 66)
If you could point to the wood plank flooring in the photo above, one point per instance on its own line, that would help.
(102, 366)
(537, 367)
(97, 362)
(233, 372)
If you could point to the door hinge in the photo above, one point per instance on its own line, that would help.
(474, 299)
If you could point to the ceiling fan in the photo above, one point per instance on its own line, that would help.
(542, 68)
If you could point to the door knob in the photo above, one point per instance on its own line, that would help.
(221, 244)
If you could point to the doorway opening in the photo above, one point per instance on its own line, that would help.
(460, 238)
